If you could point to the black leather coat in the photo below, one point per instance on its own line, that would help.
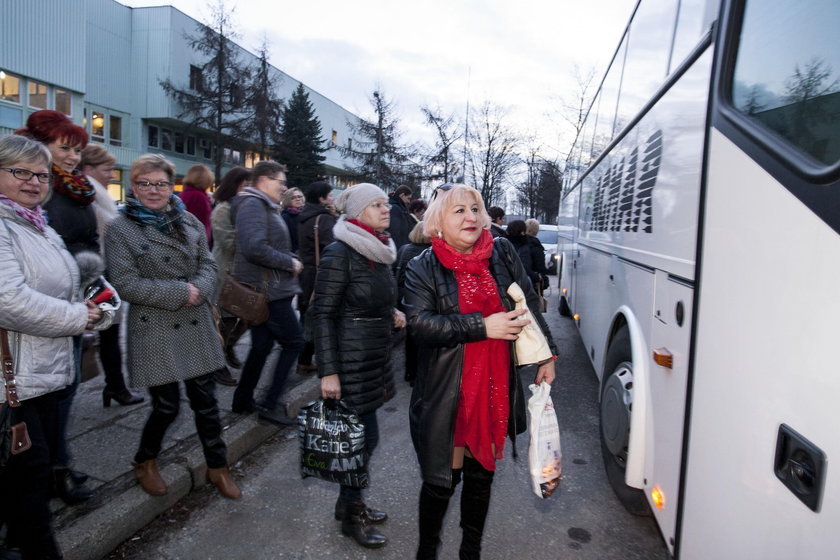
(440, 331)
(352, 318)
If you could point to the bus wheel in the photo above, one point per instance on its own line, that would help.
(616, 404)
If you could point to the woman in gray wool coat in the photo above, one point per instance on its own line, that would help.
(158, 260)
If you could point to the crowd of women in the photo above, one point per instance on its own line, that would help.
(329, 263)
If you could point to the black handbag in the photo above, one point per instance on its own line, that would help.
(14, 438)
(308, 335)
(332, 443)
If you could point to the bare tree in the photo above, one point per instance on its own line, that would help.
(215, 99)
(441, 159)
(493, 157)
(573, 110)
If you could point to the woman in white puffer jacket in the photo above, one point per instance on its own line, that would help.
(41, 310)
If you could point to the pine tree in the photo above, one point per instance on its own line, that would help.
(301, 146)
(264, 104)
(216, 100)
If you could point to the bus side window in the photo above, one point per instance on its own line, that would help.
(787, 83)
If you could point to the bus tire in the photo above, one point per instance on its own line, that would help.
(616, 404)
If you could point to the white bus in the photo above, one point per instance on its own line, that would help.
(700, 259)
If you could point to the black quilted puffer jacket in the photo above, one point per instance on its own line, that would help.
(352, 318)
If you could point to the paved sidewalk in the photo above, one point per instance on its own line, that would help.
(104, 440)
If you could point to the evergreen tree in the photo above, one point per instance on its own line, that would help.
(380, 157)
(264, 104)
(216, 97)
(301, 145)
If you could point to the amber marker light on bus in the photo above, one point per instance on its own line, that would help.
(663, 358)
(575, 316)
(658, 498)
(564, 291)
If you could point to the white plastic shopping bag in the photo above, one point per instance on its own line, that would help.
(544, 450)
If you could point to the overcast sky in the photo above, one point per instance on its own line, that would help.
(519, 55)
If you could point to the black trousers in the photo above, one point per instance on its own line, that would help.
(24, 483)
(110, 356)
(166, 401)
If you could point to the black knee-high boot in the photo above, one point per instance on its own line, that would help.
(434, 500)
(475, 501)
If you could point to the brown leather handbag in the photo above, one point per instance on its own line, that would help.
(14, 438)
(243, 300)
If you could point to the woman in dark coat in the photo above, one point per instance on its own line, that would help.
(418, 242)
(158, 259)
(530, 252)
(352, 320)
(467, 396)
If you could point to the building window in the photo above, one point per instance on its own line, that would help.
(116, 131)
(154, 137)
(196, 80)
(37, 95)
(63, 101)
(206, 148)
(9, 88)
(179, 142)
(334, 138)
(97, 126)
(115, 186)
(190, 145)
(166, 139)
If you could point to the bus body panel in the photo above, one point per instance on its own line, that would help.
(752, 310)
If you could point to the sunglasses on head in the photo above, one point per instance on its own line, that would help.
(444, 187)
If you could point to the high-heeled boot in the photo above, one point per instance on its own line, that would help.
(122, 396)
(66, 488)
(355, 524)
(475, 501)
(149, 478)
(434, 501)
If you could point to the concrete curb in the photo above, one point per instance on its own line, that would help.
(120, 508)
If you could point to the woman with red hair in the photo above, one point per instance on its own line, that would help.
(70, 212)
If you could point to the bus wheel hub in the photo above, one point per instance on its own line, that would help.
(616, 404)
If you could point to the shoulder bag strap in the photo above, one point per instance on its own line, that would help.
(317, 254)
(9, 371)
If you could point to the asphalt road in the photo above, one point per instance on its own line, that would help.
(282, 516)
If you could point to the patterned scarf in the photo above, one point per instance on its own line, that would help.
(34, 216)
(483, 409)
(73, 185)
(165, 221)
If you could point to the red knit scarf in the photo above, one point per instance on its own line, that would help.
(483, 408)
(73, 185)
(382, 236)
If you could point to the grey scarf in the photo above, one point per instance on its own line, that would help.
(364, 243)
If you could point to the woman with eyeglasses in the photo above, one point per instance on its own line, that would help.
(354, 311)
(157, 258)
(70, 212)
(467, 396)
(42, 312)
(293, 201)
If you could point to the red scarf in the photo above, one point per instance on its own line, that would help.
(483, 408)
(382, 236)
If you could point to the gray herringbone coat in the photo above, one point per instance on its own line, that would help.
(167, 340)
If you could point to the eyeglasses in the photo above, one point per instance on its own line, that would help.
(380, 205)
(444, 187)
(281, 181)
(146, 186)
(26, 175)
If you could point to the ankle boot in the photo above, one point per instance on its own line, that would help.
(373, 515)
(68, 489)
(222, 479)
(148, 476)
(434, 501)
(122, 396)
(475, 501)
(356, 525)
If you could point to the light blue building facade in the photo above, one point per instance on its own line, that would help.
(101, 63)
